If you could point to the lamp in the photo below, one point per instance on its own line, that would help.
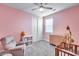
(22, 35)
(41, 9)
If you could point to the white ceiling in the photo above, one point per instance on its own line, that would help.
(27, 7)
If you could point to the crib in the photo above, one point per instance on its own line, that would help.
(72, 51)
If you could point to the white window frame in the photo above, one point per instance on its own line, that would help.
(49, 25)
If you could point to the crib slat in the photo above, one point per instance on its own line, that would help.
(61, 53)
(58, 50)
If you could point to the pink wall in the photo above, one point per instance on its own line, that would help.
(67, 17)
(13, 21)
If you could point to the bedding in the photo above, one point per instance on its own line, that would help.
(39, 48)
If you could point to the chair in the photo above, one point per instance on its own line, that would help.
(10, 46)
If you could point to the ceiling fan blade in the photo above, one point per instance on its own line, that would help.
(47, 7)
(35, 8)
(54, 9)
(40, 4)
(37, 4)
(45, 3)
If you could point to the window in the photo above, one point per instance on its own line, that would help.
(49, 25)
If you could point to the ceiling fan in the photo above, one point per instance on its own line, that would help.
(41, 7)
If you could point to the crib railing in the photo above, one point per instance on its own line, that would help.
(72, 47)
(63, 52)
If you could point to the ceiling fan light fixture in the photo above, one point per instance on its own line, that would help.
(41, 9)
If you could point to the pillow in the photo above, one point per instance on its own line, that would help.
(8, 42)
